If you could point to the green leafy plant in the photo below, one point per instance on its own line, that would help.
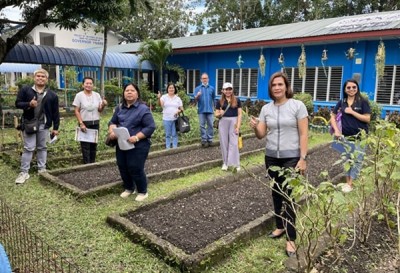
(52, 84)
(394, 117)
(307, 100)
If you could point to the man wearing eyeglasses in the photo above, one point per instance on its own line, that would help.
(205, 97)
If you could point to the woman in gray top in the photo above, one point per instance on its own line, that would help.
(285, 123)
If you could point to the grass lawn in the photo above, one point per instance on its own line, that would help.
(77, 229)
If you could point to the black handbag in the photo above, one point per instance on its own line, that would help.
(182, 123)
(30, 126)
(111, 142)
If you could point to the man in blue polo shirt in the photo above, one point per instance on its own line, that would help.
(205, 97)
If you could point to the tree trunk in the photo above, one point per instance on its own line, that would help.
(103, 61)
(160, 84)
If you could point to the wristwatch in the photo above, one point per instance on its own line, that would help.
(304, 157)
(137, 138)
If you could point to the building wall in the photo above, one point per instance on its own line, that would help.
(362, 66)
(79, 38)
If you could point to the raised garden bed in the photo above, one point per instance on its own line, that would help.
(11, 154)
(104, 176)
(198, 226)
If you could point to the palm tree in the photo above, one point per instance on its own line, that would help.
(157, 53)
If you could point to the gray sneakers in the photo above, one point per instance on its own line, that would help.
(21, 178)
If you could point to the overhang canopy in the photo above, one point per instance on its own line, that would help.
(36, 54)
(17, 67)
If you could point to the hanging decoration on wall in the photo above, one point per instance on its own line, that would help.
(380, 61)
(239, 61)
(302, 62)
(350, 53)
(324, 58)
(281, 60)
(261, 64)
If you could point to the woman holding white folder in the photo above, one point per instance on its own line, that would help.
(88, 106)
(136, 117)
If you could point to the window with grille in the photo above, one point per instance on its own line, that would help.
(322, 83)
(192, 80)
(244, 81)
(388, 89)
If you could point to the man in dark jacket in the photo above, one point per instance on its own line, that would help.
(38, 104)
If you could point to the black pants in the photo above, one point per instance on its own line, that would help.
(89, 149)
(285, 218)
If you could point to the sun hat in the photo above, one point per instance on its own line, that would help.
(227, 85)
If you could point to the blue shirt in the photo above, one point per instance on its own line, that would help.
(136, 118)
(205, 103)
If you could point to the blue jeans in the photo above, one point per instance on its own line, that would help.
(206, 134)
(170, 133)
(358, 153)
(348, 149)
(131, 167)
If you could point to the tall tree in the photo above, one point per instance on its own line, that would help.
(65, 13)
(157, 53)
(167, 19)
(107, 20)
(227, 15)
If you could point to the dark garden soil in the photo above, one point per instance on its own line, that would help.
(193, 222)
(91, 178)
(378, 255)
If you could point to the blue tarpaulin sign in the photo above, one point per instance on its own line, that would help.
(4, 263)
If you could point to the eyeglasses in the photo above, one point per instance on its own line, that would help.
(204, 78)
(351, 87)
(229, 88)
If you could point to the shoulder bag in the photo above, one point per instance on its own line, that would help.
(31, 126)
(216, 120)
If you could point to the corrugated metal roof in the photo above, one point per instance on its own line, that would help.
(36, 54)
(328, 30)
(16, 67)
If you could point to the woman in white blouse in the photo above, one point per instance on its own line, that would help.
(172, 106)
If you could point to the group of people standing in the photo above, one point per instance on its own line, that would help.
(284, 123)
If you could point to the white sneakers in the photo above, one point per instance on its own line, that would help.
(42, 171)
(347, 188)
(141, 196)
(21, 178)
(126, 193)
(225, 168)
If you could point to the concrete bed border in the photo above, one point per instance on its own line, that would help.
(213, 252)
(51, 178)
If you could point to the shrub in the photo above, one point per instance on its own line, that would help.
(324, 112)
(112, 93)
(52, 84)
(394, 117)
(307, 100)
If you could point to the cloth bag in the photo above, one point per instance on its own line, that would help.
(182, 123)
(338, 119)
